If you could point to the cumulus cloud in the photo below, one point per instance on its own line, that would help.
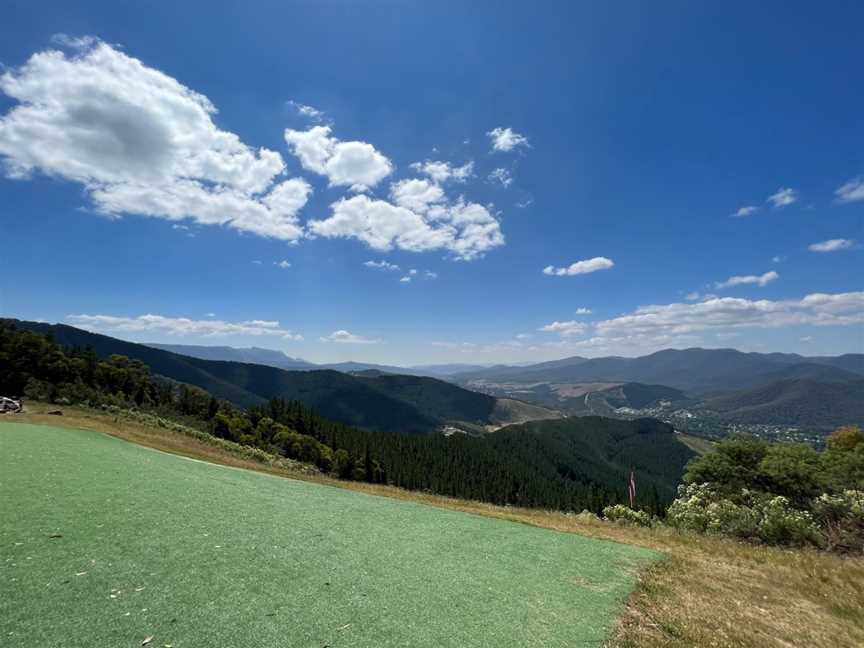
(748, 210)
(381, 265)
(307, 111)
(852, 191)
(662, 326)
(441, 172)
(565, 329)
(405, 279)
(832, 245)
(140, 143)
(580, 267)
(428, 274)
(506, 139)
(467, 230)
(181, 326)
(416, 195)
(346, 164)
(282, 264)
(783, 197)
(743, 280)
(818, 309)
(583, 311)
(346, 337)
(501, 176)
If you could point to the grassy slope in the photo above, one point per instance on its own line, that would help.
(198, 554)
(709, 591)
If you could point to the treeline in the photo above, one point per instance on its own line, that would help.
(574, 465)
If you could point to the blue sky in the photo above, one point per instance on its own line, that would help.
(604, 174)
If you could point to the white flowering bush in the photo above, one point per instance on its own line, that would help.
(841, 515)
(621, 514)
(779, 523)
(753, 516)
(689, 511)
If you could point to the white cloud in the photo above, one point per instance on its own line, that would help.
(832, 245)
(524, 336)
(382, 265)
(692, 296)
(525, 203)
(412, 272)
(580, 267)
(180, 326)
(282, 264)
(467, 230)
(502, 176)
(583, 311)
(405, 279)
(211, 314)
(307, 111)
(256, 262)
(817, 309)
(74, 42)
(742, 280)
(748, 210)
(428, 274)
(680, 324)
(783, 197)
(806, 338)
(852, 191)
(565, 329)
(441, 172)
(506, 139)
(416, 195)
(350, 164)
(778, 259)
(346, 337)
(140, 143)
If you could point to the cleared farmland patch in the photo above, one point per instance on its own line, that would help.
(103, 542)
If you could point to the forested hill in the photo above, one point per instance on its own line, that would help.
(406, 404)
(570, 464)
(795, 402)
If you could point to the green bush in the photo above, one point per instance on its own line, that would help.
(749, 515)
(621, 514)
(842, 518)
(781, 524)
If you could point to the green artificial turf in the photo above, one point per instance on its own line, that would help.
(195, 554)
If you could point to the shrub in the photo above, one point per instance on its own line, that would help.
(689, 511)
(750, 516)
(781, 524)
(842, 518)
(730, 519)
(621, 514)
(585, 516)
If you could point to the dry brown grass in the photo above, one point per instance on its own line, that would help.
(708, 592)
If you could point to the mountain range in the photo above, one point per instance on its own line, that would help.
(370, 399)
(693, 370)
(279, 359)
(736, 387)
